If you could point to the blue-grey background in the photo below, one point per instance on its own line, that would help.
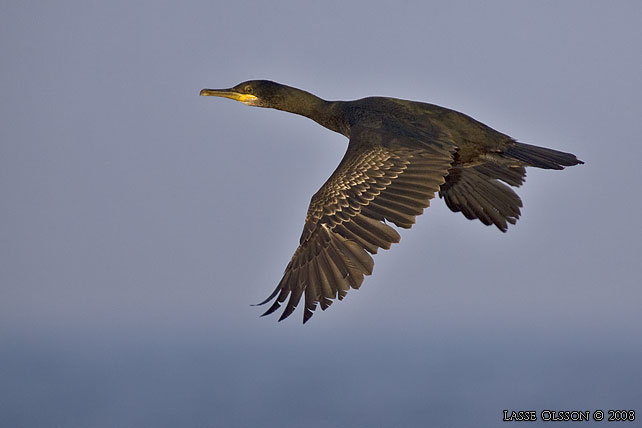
(139, 221)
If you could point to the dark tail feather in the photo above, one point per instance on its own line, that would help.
(541, 157)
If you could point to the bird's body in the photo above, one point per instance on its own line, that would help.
(399, 155)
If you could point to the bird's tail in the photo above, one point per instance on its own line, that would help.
(541, 157)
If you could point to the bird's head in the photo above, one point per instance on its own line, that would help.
(265, 93)
(259, 93)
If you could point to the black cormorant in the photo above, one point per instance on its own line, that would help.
(399, 155)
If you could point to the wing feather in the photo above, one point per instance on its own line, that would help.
(379, 180)
(479, 194)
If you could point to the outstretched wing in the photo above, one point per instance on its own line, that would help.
(480, 192)
(380, 179)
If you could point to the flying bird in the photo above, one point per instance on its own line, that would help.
(400, 153)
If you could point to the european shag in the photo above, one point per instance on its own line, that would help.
(400, 153)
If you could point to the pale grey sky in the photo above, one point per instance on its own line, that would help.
(140, 220)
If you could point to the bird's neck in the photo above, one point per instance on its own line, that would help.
(325, 113)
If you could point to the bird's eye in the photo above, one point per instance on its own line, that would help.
(248, 89)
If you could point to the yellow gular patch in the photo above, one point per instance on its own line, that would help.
(245, 98)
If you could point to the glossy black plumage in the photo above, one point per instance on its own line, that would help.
(399, 155)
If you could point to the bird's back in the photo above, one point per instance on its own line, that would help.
(427, 122)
